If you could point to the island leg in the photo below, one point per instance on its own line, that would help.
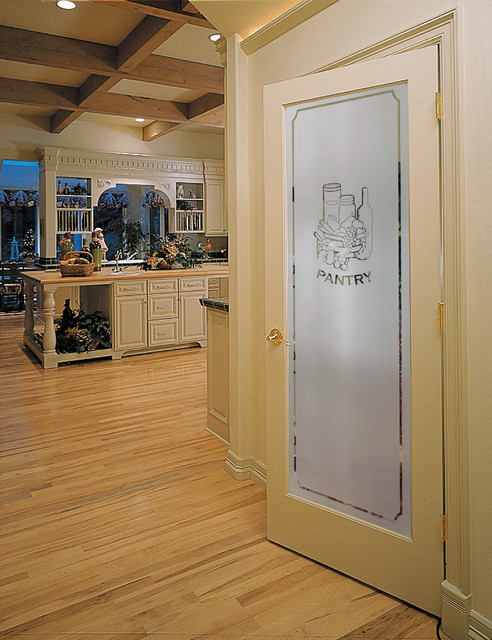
(29, 313)
(49, 338)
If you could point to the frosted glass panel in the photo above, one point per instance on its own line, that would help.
(349, 304)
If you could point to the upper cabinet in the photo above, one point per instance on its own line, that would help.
(189, 207)
(73, 209)
(192, 191)
(215, 200)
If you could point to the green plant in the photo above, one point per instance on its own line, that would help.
(78, 332)
(133, 235)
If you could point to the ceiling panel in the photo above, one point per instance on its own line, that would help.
(89, 21)
(37, 73)
(159, 91)
(26, 110)
(191, 43)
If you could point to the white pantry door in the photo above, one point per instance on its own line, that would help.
(353, 282)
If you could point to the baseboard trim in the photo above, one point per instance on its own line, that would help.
(480, 627)
(456, 609)
(246, 469)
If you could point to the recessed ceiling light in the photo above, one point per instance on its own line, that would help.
(214, 37)
(66, 4)
(139, 119)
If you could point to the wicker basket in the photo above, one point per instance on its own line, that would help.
(77, 269)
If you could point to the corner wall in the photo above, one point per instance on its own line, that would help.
(338, 32)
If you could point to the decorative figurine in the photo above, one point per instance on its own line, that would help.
(205, 248)
(104, 246)
(180, 192)
(65, 244)
(96, 251)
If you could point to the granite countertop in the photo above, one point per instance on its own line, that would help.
(222, 304)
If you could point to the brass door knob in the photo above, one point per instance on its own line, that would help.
(275, 337)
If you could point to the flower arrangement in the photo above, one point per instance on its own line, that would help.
(172, 252)
(77, 331)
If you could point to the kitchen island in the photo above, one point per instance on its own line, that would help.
(218, 366)
(147, 310)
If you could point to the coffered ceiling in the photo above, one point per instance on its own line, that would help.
(110, 61)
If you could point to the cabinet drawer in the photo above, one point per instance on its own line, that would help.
(163, 285)
(193, 284)
(163, 306)
(131, 288)
(213, 288)
(163, 331)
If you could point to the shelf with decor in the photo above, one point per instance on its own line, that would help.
(74, 210)
(189, 207)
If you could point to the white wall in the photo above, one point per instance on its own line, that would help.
(342, 29)
(20, 135)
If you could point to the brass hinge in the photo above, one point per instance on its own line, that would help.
(438, 106)
(440, 316)
(443, 528)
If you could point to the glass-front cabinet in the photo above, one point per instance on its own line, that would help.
(189, 207)
(73, 209)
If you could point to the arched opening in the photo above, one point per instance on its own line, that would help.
(133, 218)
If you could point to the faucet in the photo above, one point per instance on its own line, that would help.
(117, 257)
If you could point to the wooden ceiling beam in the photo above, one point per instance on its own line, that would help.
(61, 119)
(149, 34)
(66, 98)
(95, 86)
(156, 9)
(179, 73)
(206, 104)
(157, 129)
(187, 6)
(38, 94)
(30, 47)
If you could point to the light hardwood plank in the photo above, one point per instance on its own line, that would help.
(120, 523)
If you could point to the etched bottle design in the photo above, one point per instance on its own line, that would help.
(364, 214)
(331, 203)
(344, 232)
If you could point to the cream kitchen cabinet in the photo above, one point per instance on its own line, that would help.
(160, 312)
(130, 315)
(192, 317)
(216, 218)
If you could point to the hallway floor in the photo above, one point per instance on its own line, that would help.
(120, 523)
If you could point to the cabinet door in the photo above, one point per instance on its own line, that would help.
(216, 219)
(192, 317)
(131, 322)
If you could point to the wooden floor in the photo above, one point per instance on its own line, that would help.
(120, 523)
